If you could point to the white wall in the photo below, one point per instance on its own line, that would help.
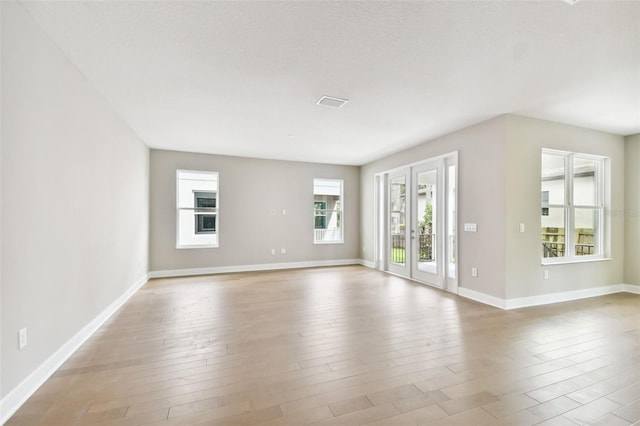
(249, 189)
(524, 272)
(74, 209)
(481, 200)
(632, 210)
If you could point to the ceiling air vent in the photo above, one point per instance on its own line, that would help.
(331, 101)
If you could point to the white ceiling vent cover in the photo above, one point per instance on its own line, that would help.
(332, 102)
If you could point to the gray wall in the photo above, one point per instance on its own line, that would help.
(74, 212)
(76, 202)
(632, 210)
(524, 273)
(481, 199)
(249, 190)
(498, 188)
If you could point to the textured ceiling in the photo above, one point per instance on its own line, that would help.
(242, 78)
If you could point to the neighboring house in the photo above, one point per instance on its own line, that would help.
(553, 197)
(327, 197)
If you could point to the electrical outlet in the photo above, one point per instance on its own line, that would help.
(273, 252)
(474, 272)
(283, 251)
(546, 274)
(22, 338)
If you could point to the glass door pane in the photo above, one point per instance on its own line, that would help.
(427, 231)
(451, 222)
(426, 225)
(419, 225)
(397, 220)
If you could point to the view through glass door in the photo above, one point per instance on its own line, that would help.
(426, 223)
(421, 222)
(398, 216)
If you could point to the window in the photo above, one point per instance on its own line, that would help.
(205, 203)
(572, 201)
(320, 214)
(197, 209)
(327, 211)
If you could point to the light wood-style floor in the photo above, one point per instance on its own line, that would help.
(345, 346)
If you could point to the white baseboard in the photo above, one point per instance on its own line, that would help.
(19, 395)
(251, 268)
(565, 296)
(367, 263)
(629, 288)
(545, 299)
(482, 297)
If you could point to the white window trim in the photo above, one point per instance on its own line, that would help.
(342, 217)
(601, 194)
(197, 246)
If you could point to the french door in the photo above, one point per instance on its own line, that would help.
(398, 233)
(420, 231)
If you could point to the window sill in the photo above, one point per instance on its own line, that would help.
(567, 262)
(328, 242)
(199, 246)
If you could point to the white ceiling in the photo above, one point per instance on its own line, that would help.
(242, 78)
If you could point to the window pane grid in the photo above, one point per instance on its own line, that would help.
(197, 209)
(572, 205)
(327, 210)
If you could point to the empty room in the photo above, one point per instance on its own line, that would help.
(284, 213)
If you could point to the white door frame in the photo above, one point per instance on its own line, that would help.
(447, 226)
(403, 269)
(435, 277)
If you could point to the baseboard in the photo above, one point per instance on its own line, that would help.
(482, 297)
(251, 268)
(367, 263)
(629, 288)
(565, 296)
(545, 299)
(19, 395)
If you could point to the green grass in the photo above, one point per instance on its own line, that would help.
(398, 255)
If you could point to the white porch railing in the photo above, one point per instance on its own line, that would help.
(328, 235)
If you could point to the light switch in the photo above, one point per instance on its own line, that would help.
(470, 227)
(522, 227)
(22, 338)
